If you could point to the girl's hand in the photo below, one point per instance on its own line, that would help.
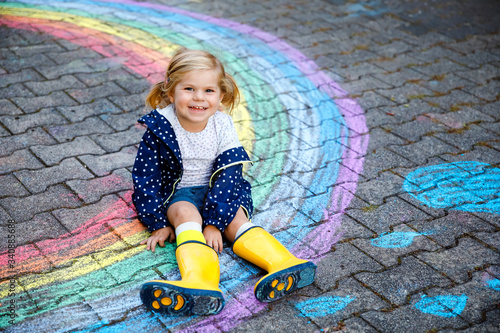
(213, 237)
(159, 237)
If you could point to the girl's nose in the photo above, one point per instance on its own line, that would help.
(198, 95)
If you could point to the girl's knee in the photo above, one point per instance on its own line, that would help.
(183, 211)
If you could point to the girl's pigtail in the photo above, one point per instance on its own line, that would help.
(156, 96)
(231, 97)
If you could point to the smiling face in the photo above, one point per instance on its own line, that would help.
(196, 98)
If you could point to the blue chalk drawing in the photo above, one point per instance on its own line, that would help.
(467, 186)
(494, 284)
(447, 306)
(322, 306)
(395, 240)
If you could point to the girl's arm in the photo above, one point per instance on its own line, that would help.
(146, 175)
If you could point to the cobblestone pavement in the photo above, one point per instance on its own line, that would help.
(374, 131)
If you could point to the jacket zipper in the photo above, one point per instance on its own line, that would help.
(224, 167)
(173, 190)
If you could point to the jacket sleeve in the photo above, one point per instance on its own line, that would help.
(229, 191)
(147, 177)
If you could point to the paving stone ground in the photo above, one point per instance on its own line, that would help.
(426, 75)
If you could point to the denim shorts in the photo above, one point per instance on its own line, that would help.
(195, 195)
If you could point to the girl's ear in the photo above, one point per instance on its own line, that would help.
(171, 98)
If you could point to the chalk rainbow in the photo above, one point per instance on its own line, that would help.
(306, 137)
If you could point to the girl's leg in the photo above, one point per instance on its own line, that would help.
(230, 233)
(187, 222)
(198, 291)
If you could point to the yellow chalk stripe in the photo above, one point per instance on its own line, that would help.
(244, 126)
(271, 294)
(125, 32)
(157, 293)
(281, 286)
(155, 305)
(274, 283)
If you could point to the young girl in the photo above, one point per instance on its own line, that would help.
(188, 177)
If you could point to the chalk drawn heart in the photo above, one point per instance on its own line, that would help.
(447, 306)
(322, 306)
(468, 186)
(395, 239)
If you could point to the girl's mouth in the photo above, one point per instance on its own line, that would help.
(197, 108)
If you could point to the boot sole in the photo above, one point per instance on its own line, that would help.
(168, 299)
(281, 283)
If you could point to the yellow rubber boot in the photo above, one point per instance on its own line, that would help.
(286, 272)
(198, 291)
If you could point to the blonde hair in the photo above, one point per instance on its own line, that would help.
(185, 61)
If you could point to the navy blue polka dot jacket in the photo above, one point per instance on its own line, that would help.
(158, 169)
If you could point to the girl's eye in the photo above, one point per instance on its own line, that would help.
(189, 88)
(209, 90)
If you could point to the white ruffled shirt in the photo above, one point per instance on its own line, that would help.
(199, 150)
